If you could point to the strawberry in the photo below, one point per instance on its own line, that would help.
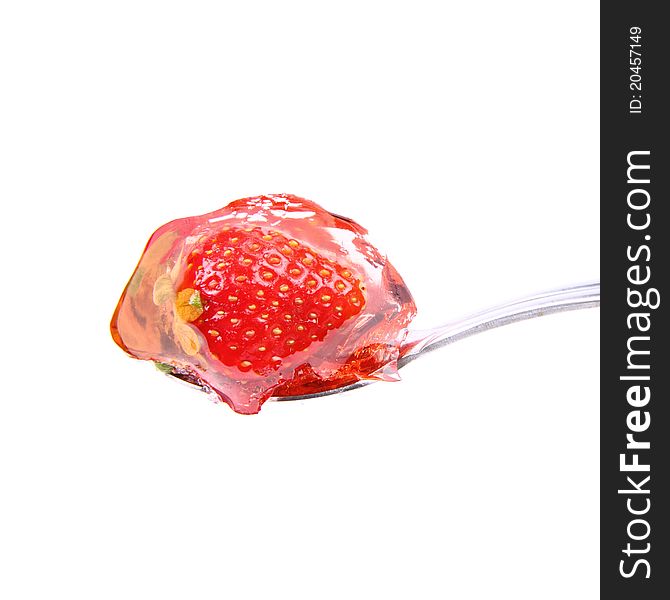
(269, 295)
(258, 297)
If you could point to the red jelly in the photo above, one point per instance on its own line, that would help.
(268, 296)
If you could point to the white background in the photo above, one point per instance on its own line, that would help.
(464, 136)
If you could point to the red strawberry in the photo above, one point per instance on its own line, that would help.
(258, 297)
(269, 295)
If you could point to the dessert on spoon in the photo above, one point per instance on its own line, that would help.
(274, 297)
(270, 295)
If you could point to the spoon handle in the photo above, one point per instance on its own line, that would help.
(419, 342)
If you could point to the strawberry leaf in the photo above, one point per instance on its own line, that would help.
(195, 300)
(163, 290)
(186, 337)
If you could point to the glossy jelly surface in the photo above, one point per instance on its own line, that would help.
(268, 296)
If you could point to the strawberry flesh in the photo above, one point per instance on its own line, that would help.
(266, 297)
